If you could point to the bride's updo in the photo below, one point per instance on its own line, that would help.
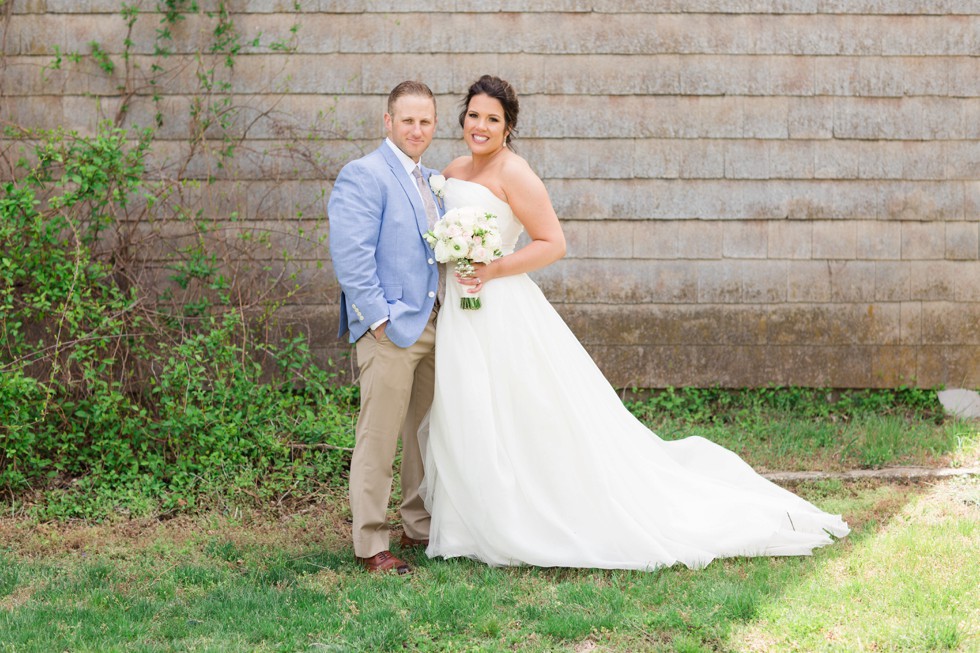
(501, 91)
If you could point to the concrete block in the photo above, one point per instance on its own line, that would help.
(657, 324)
(27, 6)
(920, 200)
(627, 282)
(81, 6)
(821, 366)
(834, 240)
(727, 117)
(963, 240)
(720, 75)
(949, 323)
(837, 159)
(559, 158)
(811, 117)
(893, 366)
(948, 365)
(923, 240)
(679, 158)
(746, 159)
(576, 238)
(878, 240)
(745, 239)
(791, 159)
(609, 158)
(832, 325)
(645, 199)
(969, 120)
(639, 74)
(771, 117)
(656, 239)
(808, 282)
(808, 200)
(881, 159)
(852, 281)
(860, 76)
(764, 282)
(924, 160)
(911, 316)
(38, 112)
(892, 282)
(962, 160)
(933, 281)
(966, 280)
(971, 200)
(790, 239)
(963, 76)
(792, 75)
(926, 76)
(719, 282)
(697, 239)
(609, 239)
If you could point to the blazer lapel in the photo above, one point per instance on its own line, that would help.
(407, 183)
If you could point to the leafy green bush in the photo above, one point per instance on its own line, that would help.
(112, 394)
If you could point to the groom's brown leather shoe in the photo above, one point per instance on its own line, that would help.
(385, 561)
(410, 542)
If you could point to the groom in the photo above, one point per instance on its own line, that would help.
(380, 207)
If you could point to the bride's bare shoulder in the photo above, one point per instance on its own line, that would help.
(456, 167)
(516, 171)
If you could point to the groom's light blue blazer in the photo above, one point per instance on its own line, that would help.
(384, 265)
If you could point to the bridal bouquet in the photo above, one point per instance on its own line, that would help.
(464, 236)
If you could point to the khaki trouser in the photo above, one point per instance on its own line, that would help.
(396, 392)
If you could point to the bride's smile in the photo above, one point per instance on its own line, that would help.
(484, 125)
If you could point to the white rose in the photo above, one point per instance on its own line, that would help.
(468, 218)
(481, 254)
(492, 240)
(460, 245)
(444, 252)
(437, 183)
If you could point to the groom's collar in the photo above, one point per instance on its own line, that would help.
(403, 158)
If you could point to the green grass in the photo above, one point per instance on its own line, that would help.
(796, 429)
(280, 576)
(903, 581)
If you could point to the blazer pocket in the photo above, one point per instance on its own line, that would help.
(392, 293)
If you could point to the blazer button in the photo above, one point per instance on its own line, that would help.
(431, 261)
(431, 294)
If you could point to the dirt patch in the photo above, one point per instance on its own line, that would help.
(323, 524)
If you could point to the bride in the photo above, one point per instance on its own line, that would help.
(531, 457)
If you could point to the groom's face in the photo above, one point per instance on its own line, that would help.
(412, 124)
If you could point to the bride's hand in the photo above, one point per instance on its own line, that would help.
(475, 282)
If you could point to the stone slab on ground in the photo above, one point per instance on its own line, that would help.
(961, 403)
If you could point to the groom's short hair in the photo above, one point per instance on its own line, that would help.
(409, 87)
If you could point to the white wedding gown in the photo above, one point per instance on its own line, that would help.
(533, 459)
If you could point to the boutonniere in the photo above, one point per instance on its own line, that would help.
(438, 185)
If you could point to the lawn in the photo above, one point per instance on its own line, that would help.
(281, 577)
(905, 580)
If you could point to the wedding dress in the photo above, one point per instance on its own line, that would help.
(532, 458)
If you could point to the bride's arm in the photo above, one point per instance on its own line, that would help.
(529, 200)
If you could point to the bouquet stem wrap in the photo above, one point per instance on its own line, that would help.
(469, 300)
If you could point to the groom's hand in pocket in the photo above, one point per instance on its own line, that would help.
(379, 331)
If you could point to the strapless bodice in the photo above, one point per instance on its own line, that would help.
(459, 193)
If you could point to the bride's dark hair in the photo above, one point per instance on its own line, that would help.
(502, 92)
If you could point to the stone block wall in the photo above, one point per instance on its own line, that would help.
(753, 192)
